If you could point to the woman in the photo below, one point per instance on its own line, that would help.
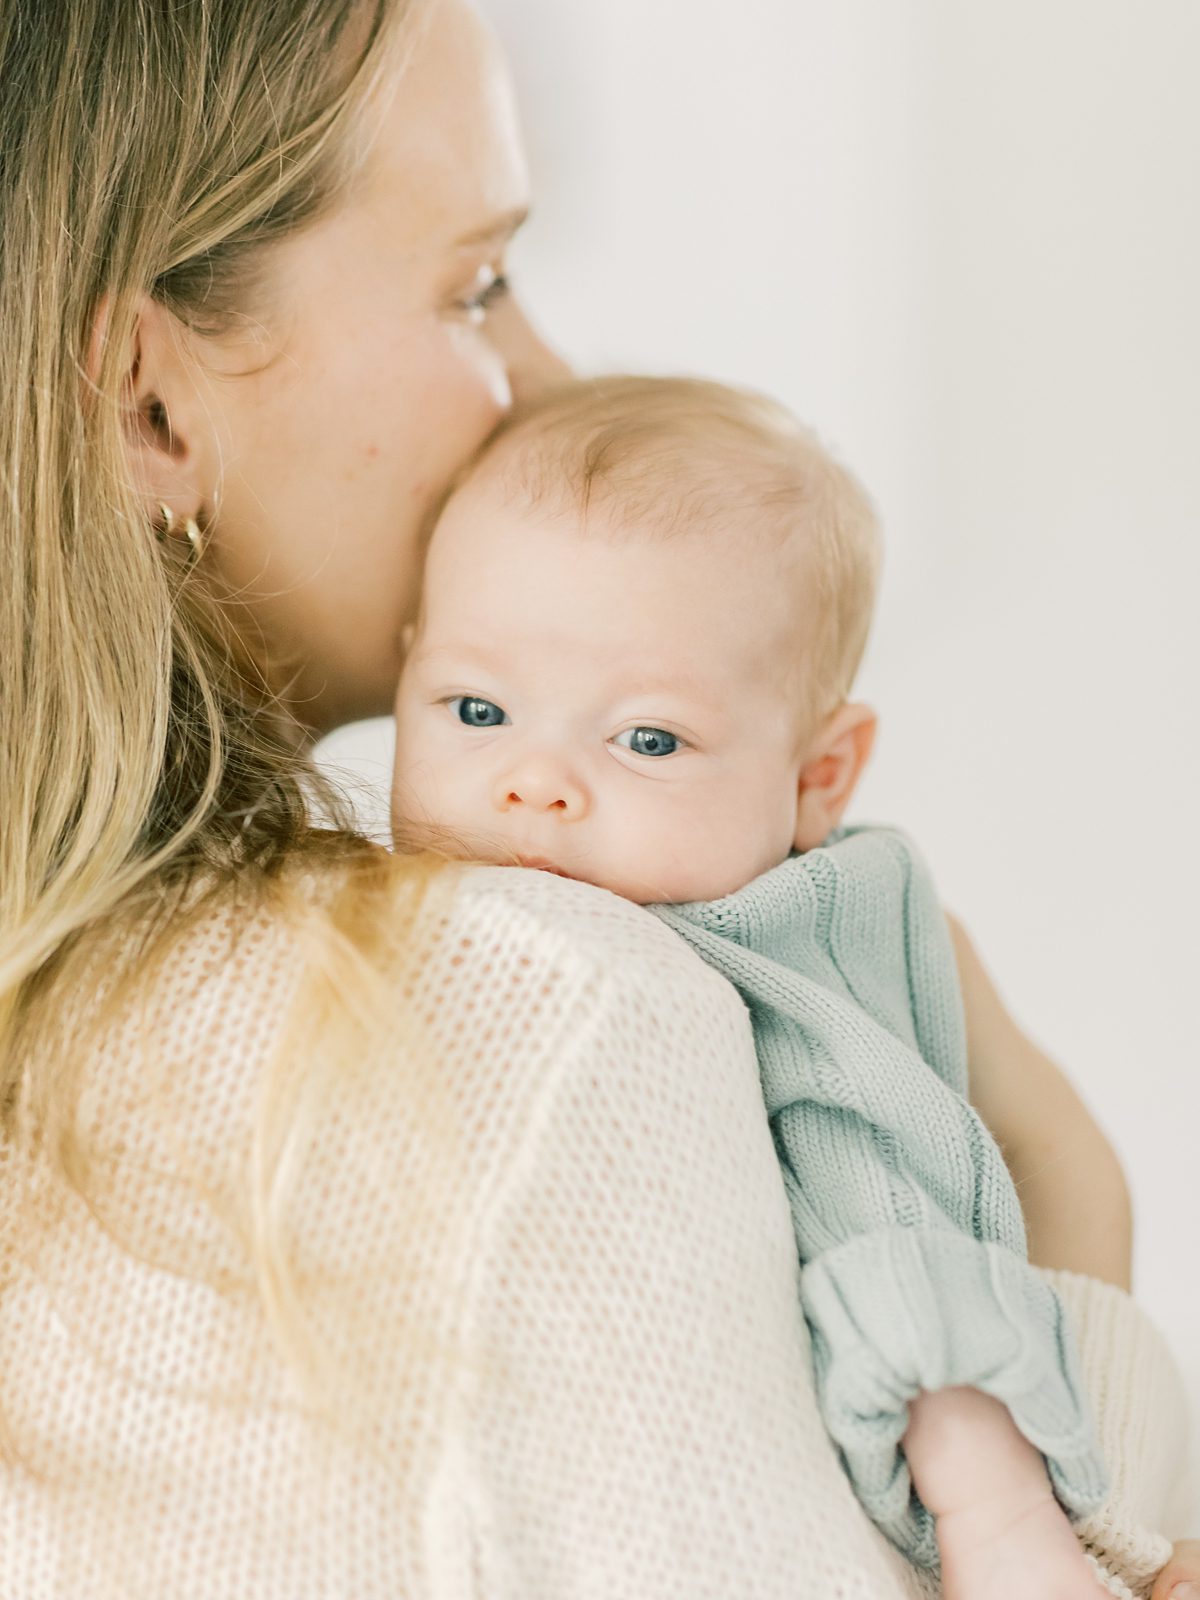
(348, 1244)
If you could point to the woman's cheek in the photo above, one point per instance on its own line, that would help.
(484, 369)
(450, 393)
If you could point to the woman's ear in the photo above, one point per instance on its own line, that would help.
(169, 441)
(831, 771)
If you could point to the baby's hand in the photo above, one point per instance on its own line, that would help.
(1013, 1545)
(1001, 1533)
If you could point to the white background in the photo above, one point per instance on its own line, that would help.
(963, 240)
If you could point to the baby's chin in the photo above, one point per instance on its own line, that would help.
(660, 888)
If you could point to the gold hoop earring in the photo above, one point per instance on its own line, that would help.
(188, 529)
(191, 532)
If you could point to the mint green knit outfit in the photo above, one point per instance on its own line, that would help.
(912, 1244)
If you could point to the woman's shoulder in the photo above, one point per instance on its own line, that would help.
(542, 1224)
(509, 1005)
(593, 926)
(570, 984)
(493, 908)
(520, 968)
(634, 1281)
(511, 935)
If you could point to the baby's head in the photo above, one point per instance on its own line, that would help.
(644, 607)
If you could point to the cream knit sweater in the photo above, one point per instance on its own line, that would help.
(630, 1414)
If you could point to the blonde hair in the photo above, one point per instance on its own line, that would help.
(674, 458)
(145, 768)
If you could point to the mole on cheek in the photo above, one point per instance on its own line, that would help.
(372, 452)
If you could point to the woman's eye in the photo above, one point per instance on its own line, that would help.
(650, 741)
(476, 713)
(491, 287)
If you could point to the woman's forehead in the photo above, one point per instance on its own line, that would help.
(446, 160)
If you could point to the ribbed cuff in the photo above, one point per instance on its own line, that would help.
(900, 1310)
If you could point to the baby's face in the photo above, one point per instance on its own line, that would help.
(613, 710)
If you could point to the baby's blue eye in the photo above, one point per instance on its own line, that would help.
(650, 741)
(476, 713)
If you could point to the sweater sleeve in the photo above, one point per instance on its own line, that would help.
(902, 1310)
(1143, 1418)
(907, 1223)
(645, 1422)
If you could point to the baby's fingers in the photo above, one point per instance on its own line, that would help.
(1180, 1578)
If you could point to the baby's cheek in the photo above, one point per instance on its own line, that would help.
(415, 786)
(685, 854)
(738, 837)
(407, 800)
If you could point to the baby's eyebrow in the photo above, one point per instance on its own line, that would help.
(467, 655)
(680, 683)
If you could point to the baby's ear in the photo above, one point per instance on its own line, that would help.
(831, 770)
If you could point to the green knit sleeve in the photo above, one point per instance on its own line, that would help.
(914, 1270)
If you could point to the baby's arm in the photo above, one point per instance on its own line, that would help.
(1000, 1531)
(1072, 1189)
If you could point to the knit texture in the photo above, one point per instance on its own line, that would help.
(609, 1240)
(907, 1222)
(1155, 1497)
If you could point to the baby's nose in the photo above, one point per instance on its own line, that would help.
(541, 785)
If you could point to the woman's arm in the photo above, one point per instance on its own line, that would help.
(1073, 1192)
(1182, 1569)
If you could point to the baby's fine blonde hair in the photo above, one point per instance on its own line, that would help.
(687, 458)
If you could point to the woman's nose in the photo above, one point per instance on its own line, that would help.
(532, 365)
(539, 784)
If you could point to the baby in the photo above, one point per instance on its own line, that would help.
(644, 608)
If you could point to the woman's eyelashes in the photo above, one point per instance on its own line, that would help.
(489, 287)
(475, 712)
